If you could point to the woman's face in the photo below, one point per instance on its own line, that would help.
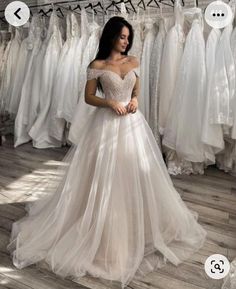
(122, 41)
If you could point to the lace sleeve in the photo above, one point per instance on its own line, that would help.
(137, 71)
(93, 73)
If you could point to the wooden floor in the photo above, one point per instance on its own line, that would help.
(23, 177)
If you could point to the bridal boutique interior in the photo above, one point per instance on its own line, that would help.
(187, 96)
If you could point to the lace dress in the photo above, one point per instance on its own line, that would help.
(137, 46)
(230, 279)
(22, 62)
(212, 134)
(222, 94)
(171, 58)
(40, 130)
(25, 107)
(61, 82)
(115, 213)
(155, 64)
(150, 33)
(184, 123)
(89, 54)
(10, 69)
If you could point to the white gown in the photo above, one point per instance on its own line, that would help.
(60, 85)
(115, 213)
(184, 123)
(155, 64)
(80, 49)
(40, 130)
(212, 134)
(150, 34)
(137, 46)
(37, 71)
(171, 58)
(230, 279)
(89, 54)
(3, 61)
(233, 48)
(24, 119)
(223, 82)
(10, 69)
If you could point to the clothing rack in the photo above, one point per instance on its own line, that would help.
(92, 6)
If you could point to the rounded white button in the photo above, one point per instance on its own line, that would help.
(218, 14)
(17, 13)
(217, 266)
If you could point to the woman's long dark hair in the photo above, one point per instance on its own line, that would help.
(111, 32)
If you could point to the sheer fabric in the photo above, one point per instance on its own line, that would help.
(115, 214)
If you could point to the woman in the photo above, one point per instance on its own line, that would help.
(115, 214)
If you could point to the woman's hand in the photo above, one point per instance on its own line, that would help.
(132, 105)
(119, 108)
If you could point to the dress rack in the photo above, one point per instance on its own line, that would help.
(97, 7)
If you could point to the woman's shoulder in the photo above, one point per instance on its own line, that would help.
(96, 64)
(134, 60)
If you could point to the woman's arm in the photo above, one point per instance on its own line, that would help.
(91, 98)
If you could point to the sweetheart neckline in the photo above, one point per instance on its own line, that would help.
(115, 72)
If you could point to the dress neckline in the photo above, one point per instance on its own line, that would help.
(108, 70)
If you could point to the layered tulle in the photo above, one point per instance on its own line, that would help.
(115, 213)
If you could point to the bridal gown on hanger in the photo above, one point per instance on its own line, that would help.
(10, 69)
(212, 134)
(22, 62)
(23, 120)
(155, 66)
(39, 132)
(185, 151)
(150, 34)
(115, 213)
(223, 97)
(60, 85)
(171, 58)
(137, 46)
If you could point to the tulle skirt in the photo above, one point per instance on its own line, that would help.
(115, 213)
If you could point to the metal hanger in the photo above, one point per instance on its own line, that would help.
(90, 6)
(60, 11)
(99, 5)
(153, 6)
(43, 13)
(141, 2)
(77, 7)
(113, 3)
(131, 4)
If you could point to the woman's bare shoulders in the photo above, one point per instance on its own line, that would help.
(96, 64)
(101, 64)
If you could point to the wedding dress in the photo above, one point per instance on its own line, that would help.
(212, 134)
(233, 48)
(223, 82)
(10, 69)
(155, 64)
(115, 213)
(230, 279)
(137, 46)
(187, 107)
(61, 85)
(89, 54)
(3, 72)
(171, 58)
(150, 34)
(40, 129)
(23, 118)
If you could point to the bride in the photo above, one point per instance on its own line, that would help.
(115, 214)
